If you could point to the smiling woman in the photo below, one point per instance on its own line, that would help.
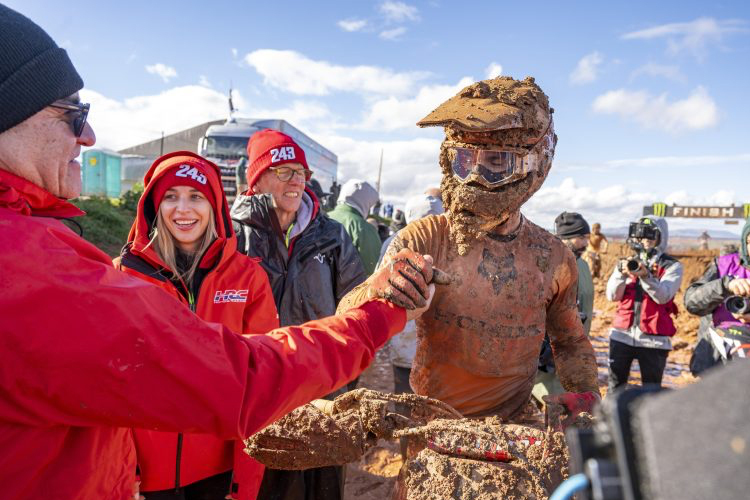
(182, 241)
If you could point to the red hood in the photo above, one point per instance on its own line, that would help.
(25, 197)
(139, 232)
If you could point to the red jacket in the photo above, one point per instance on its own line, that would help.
(88, 352)
(656, 318)
(233, 291)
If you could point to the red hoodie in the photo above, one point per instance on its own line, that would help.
(235, 292)
(88, 352)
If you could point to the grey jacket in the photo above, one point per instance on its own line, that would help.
(660, 290)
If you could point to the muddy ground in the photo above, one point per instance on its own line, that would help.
(374, 477)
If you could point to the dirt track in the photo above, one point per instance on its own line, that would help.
(374, 476)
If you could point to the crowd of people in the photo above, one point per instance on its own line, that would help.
(142, 376)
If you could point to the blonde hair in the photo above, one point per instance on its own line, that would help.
(165, 246)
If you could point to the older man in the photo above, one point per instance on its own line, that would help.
(89, 352)
(311, 264)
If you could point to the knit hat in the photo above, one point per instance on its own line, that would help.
(193, 174)
(34, 71)
(570, 225)
(271, 148)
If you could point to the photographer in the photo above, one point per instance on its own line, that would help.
(644, 286)
(726, 276)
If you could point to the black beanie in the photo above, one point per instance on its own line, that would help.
(570, 225)
(34, 71)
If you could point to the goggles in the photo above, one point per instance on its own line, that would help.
(496, 167)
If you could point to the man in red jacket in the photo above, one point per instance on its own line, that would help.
(87, 352)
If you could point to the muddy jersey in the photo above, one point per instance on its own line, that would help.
(478, 344)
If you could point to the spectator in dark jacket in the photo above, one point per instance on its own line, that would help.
(725, 276)
(311, 264)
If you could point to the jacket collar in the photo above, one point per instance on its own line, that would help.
(255, 209)
(26, 198)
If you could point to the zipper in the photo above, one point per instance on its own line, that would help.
(177, 464)
(192, 298)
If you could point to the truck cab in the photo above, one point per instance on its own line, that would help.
(226, 145)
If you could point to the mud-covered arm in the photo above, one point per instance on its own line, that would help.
(708, 292)
(616, 285)
(662, 290)
(359, 294)
(573, 353)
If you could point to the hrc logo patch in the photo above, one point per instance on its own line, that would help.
(230, 296)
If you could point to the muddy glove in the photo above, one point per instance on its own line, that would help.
(403, 280)
(572, 404)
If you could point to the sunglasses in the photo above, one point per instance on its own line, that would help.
(285, 174)
(77, 113)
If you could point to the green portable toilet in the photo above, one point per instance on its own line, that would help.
(101, 173)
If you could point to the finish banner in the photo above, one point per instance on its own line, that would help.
(694, 212)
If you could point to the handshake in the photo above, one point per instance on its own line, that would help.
(408, 280)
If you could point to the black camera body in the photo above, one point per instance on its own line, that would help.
(737, 304)
(642, 230)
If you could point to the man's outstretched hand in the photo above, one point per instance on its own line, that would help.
(573, 403)
(406, 281)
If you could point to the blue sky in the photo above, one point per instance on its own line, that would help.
(650, 97)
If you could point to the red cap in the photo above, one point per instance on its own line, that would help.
(193, 174)
(271, 148)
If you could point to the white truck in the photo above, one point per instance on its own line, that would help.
(226, 145)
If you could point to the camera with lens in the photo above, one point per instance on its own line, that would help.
(737, 304)
(633, 264)
(640, 230)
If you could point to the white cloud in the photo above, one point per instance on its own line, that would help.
(234, 52)
(293, 72)
(352, 24)
(399, 12)
(670, 72)
(409, 166)
(121, 124)
(612, 206)
(203, 81)
(586, 70)
(393, 34)
(393, 113)
(493, 70)
(696, 112)
(163, 71)
(692, 37)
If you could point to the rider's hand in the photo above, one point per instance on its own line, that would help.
(740, 286)
(573, 404)
(412, 314)
(403, 280)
